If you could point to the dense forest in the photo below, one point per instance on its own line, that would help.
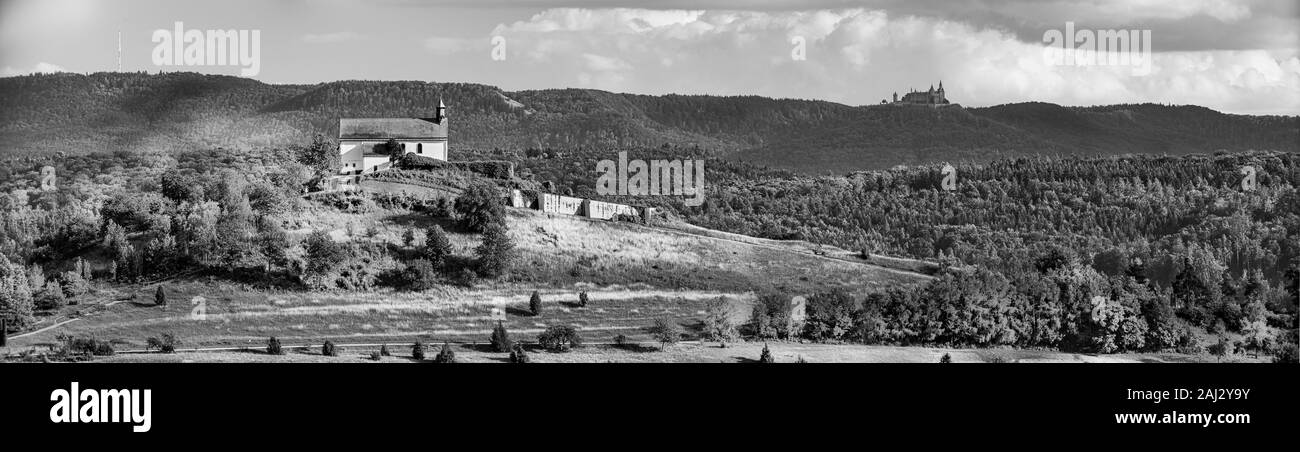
(171, 112)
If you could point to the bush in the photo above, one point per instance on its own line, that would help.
(582, 299)
(465, 277)
(1219, 349)
(560, 338)
(329, 349)
(84, 345)
(166, 344)
(621, 341)
(418, 275)
(946, 358)
(766, 356)
(518, 355)
(417, 351)
(446, 355)
(160, 297)
(273, 346)
(478, 206)
(50, 297)
(501, 339)
(376, 356)
(535, 303)
(74, 285)
(383, 350)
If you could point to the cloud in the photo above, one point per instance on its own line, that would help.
(332, 38)
(441, 45)
(41, 67)
(860, 56)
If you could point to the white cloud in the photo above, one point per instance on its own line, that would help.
(860, 56)
(41, 67)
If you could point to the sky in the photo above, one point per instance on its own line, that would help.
(1232, 56)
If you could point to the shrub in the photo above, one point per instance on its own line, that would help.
(582, 299)
(478, 206)
(50, 297)
(160, 297)
(408, 237)
(329, 349)
(518, 355)
(383, 350)
(560, 338)
(84, 345)
(465, 277)
(666, 332)
(501, 339)
(273, 346)
(621, 341)
(419, 274)
(166, 344)
(946, 358)
(417, 351)
(766, 356)
(1219, 349)
(376, 356)
(535, 303)
(446, 355)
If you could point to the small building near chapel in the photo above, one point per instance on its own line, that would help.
(363, 141)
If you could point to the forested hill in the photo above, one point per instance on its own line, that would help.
(76, 113)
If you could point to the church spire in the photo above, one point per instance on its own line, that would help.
(441, 112)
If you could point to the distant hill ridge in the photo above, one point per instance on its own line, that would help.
(79, 113)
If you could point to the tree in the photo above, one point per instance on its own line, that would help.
(160, 297)
(436, 246)
(50, 297)
(322, 156)
(166, 344)
(329, 349)
(74, 285)
(479, 207)
(1220, 349)
(501, 339)
(417, 351)
(535, 303)
(408, 237)
(582, 299)
(496, 253)
(717, 321)
(946, 358)
(666, 332)
(766, 356)
(559, 338)
(15, 296)
(447, 355)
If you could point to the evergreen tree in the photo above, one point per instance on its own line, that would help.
(535, 303)
(160, 297)
(436, 246)
(501, 339)
(496, 253)
(417, 351)
(447, 355)
(766, 356)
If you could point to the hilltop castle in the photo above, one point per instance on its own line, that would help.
(933, 97)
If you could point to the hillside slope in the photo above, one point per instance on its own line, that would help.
(110, 112)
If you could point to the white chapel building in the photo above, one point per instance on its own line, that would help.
(360, 140)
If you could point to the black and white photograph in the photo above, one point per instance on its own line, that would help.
(312, 187)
